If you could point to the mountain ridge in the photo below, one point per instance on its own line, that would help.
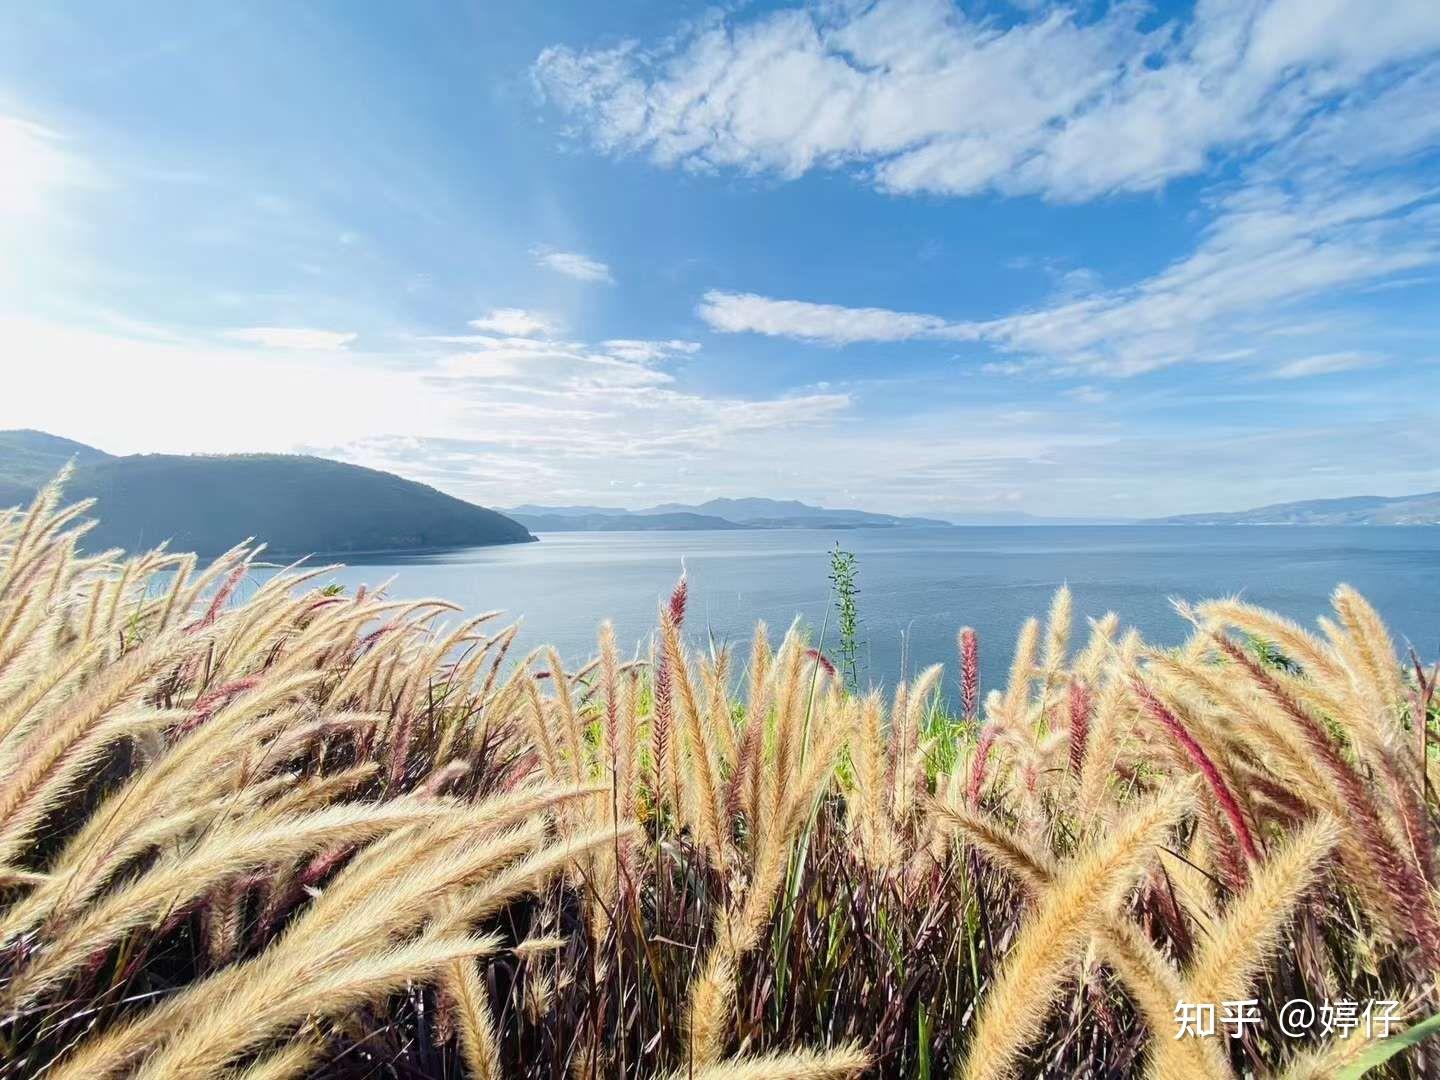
(296, 504)
(1421, 509)
(724, 513)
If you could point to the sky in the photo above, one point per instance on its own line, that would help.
(914, 256)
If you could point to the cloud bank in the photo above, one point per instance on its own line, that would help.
(917, 96)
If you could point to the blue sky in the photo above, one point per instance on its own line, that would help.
(910, 255)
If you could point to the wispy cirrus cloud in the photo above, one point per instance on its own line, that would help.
(649, 351)
(1325, 364)
(292, 337)
(573, 264)
(551, 365)
(1270, 249)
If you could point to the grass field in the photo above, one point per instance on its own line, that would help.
(318, 834)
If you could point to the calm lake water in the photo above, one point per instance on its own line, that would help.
(919, 586)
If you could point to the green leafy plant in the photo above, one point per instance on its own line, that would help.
(844, 568)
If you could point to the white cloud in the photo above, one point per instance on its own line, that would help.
(920, 97)
(563, 427)
(830, 324)
(555, 366)
(1325, 364)
(484, 421)
(514, 322)
(649, 351)
(1328, 100)
(1270, 248)
(573, 264)
(292, 337)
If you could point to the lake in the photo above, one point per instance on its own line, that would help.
(919, 586)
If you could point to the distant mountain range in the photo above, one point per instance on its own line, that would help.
(788, 514)
(715, 514)
(301, 505)
(621, 522)
(208, 503)
(1356, 510)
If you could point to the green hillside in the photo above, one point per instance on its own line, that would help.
(29, 458)
(298, 505)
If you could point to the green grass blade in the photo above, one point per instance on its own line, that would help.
(1385, 1049)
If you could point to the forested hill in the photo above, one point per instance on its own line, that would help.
(297, 505)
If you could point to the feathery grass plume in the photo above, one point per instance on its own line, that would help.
(664, 763)
(1034, 868)
(1086, 891)
(771, 853)
(256, 1013)
(969, 647)
(176, 881)
(1079, 715)
(620, 737)
(1241, 945)
(980, 764)
(569, 720)
(387, 890)
(1152, 983)
(67, 772)
(1224, 793)
(1378, 664)
(1057, 635)
(293, 1059)
(707, 798)
(1251, 715)
(791, 708)
(907, 762)
(712, 998)
(1293, 640)
(473, 1019)
(868, 810)
(341, 943)
(1022, 670)
(530, 874)
(746, 785)
(617, 747)
(1411, 907)
(715, 676)
(845, 1063)
(1098, 648)
(662, 721)
(198, 763)
(122, 683)
(540, 725)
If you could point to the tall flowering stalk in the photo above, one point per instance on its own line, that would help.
(969, 672)
(1079, 723)
(672, 613)
(1202, 761)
